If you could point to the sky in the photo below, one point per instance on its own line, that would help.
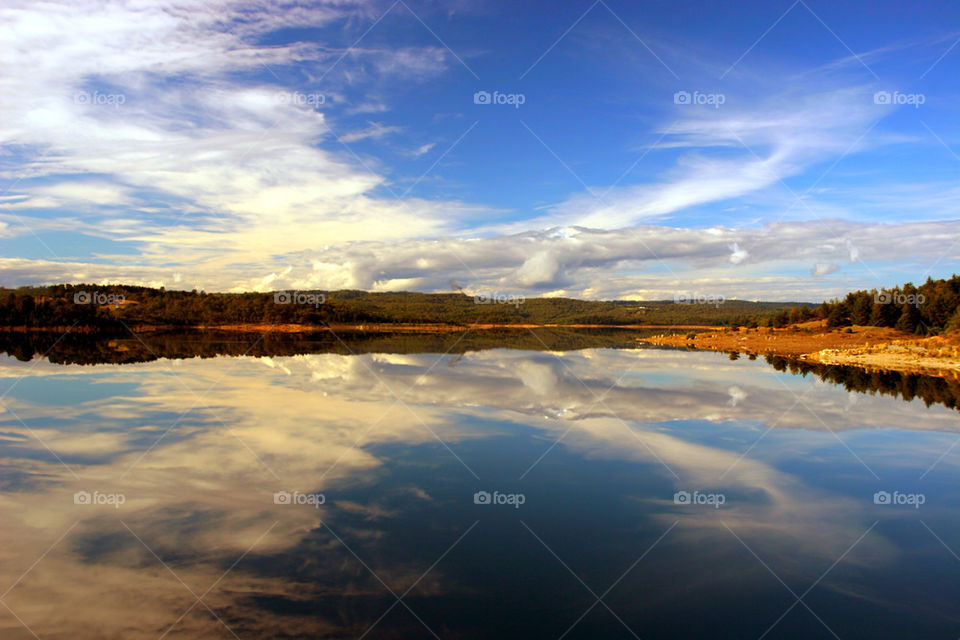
(608, 149)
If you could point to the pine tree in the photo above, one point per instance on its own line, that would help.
(861, 308)
(910, 320)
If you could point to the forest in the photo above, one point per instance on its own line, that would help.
(929, 309)
(933, 308)
(101, 308)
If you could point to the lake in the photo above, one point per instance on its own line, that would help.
(540, 485)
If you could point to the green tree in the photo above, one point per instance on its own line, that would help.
(910, 320)
(861, 307)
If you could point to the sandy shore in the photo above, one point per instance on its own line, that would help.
(369, 327)
(437, 328)
(872, 348)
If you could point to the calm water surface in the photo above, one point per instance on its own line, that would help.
(497, 493)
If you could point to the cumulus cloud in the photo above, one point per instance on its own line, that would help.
(540, 269)
(646, 262)
(737, 255)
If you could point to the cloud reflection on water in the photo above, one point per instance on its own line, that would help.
(198, 447)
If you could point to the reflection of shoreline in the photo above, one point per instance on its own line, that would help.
(903, 384)
(870, 348)
(79, 348)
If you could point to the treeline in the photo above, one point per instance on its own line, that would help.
(778, 319)
(101, 308)
(930, 309)
(930, 389)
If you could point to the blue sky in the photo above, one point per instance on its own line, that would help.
(772, 150)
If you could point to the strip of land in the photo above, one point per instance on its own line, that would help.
(366, 327)
(872, 348)
(441, 328)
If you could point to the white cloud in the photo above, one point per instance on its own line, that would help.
(375, 130)
(422, 149)
(822, 269)
(540, 269)
(241, 165)
(737, 255)
(648, 262)
(728, 154)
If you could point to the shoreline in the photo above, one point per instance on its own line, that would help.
(368, 327)
(868, 348)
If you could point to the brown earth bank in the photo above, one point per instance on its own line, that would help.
(872, 348)
(436, 328)
(365, 327)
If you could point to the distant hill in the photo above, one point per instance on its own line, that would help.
(113, 307)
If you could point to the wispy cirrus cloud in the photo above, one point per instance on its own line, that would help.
(720, 155)
(139, 104)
